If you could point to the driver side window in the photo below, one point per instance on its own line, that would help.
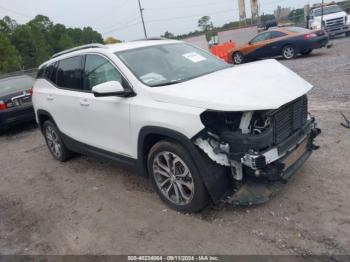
(261, 37)
(99, 70)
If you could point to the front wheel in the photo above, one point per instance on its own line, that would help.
(347, 34)
(238, 58)
(176, 178)
(289, 52)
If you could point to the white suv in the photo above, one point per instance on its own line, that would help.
(202, 130)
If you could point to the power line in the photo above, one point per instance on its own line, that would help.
(122, 27)
(15, 12)
(121, 22)
(185, 6)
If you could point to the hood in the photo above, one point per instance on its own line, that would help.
(331, 16)
(261, 85)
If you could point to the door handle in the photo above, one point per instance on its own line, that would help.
(50, 98)
(84, 102)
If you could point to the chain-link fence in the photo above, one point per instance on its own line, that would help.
(28, 72)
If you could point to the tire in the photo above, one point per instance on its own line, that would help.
(54, 142)
(238, 58)
(289, 52)
(305, 53)
(186, 191)
(347, 34)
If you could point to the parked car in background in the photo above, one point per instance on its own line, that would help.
(287, 42)
(335, 19)
(201, 129)
(16, 101)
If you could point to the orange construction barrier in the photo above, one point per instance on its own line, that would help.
(223, 50)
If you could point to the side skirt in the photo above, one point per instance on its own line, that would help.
(85, 149)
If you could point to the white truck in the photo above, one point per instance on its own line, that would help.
(331, 17)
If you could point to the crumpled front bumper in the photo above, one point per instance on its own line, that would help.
(261, 184)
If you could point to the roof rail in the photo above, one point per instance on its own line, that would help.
(78, 48)
(151, 39)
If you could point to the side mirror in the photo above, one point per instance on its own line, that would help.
(111, 88)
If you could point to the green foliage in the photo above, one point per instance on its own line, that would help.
(10, 58)
(297, 15)
(7, 25)
(111, 40)
(205, 24)
(33, 43)
(168, 35)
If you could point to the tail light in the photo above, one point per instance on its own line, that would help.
(30, 91)
(3, 106)
(309, 36)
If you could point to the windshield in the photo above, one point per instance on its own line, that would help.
(327, 10)
(15, 84)
(170, 63)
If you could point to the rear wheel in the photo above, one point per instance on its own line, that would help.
(238, 58)
(176, 178)
(289, 52)
(54, 142)
(305, 53)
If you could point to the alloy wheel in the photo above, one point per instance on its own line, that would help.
(53, 142)
(238, 58)
(173, 178)
(288, 52)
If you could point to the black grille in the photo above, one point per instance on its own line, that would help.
(334, 24)
(289, 119)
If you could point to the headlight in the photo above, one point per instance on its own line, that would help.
(316, 25)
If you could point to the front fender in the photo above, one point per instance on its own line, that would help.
(215, 177)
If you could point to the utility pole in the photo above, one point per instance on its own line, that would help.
(322, 10)
(143, 21)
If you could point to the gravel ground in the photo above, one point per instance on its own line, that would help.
(86, 206)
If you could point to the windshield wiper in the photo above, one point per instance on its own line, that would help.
(167, 83)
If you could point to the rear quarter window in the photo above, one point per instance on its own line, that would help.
(69, 73)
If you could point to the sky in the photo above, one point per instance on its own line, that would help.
(121, 18)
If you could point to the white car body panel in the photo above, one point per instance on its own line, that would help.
(331, 16)
(256, 86)
(114, 124)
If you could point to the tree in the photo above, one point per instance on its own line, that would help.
(7, 25)
(42, 22)
(90, 36)
(205, 24)
(168, 35)
(10, 58)
(111, 40)
(31, 44)
(297, 16)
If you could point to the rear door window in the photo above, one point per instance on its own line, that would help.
(69, 73)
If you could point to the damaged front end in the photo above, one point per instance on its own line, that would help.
(262, 149)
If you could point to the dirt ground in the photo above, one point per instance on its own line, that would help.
(86, 206)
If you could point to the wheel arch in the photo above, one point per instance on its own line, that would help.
(43, 116)
(215, 177)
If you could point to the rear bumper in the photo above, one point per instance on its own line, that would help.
(15, 116)
(319, 42)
